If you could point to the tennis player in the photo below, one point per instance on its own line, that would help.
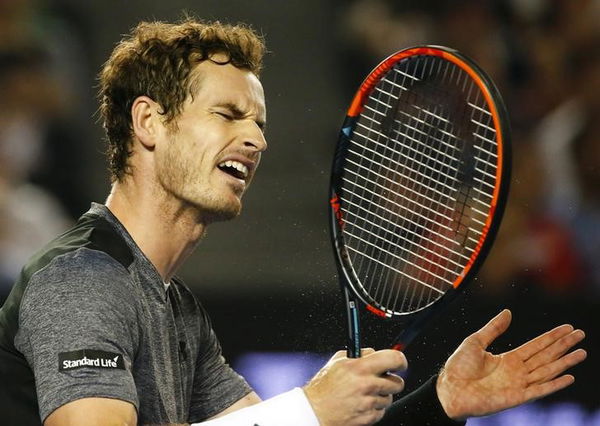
(98, 330)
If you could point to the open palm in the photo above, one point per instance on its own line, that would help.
(475, 382)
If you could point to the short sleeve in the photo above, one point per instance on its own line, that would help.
(78, 330)
(216, 385)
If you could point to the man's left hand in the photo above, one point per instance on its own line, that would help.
(475, 382)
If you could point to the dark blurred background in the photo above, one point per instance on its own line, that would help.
(268, 278)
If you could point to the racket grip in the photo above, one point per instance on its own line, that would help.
(353, 346)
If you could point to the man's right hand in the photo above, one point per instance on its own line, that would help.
(356, 392)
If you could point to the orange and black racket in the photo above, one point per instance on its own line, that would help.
(418, 186)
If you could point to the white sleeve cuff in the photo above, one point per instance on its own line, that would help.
(288, 409)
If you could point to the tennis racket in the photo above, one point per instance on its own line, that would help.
(418, 186)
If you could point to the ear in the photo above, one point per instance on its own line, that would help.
(145, 121)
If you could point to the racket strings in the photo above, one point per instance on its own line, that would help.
(430, 172)
(418, 183)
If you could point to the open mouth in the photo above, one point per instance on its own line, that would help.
(234, 168)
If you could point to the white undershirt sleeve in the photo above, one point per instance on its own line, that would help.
(288, 409)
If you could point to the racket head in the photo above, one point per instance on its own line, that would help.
(419, 180)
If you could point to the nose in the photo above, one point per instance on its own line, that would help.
(255, 138)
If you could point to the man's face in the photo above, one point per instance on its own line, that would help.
(209, 160)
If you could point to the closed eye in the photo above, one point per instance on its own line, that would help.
(224, 115)
(231, 112)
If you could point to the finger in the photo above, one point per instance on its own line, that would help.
(380, 362)
(390, 384)
(556, 349)
(543, 389)
(382, 402)
(366, 351)
(532, 347)
(494, 328)
(550, 371)
(378, 415)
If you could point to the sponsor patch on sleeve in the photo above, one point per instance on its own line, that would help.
(90, 358)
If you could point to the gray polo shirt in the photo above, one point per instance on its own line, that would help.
(90, 317)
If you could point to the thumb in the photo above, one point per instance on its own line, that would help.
(494, 328)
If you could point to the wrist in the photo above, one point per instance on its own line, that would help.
(314, 402)
(448, 397)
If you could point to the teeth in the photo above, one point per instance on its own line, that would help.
(235, 165)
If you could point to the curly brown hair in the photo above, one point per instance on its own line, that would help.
(156, 60)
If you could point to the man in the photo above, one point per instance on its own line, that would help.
(98, 330)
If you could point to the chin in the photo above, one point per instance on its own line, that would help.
(221, 212)
(215, 207)
(224, 215)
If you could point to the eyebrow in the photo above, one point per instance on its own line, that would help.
(238, 113)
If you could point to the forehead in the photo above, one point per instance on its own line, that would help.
(222, 84)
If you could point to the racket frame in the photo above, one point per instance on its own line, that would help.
(348, 280)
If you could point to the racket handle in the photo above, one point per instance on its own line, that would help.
(353, 347)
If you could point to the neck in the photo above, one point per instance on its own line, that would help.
(166, 230)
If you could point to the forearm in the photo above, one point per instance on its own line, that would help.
(418, 408)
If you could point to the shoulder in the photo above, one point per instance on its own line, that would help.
(83, 294)
(90, 254)
(83, 267)
(91, 232)
(84, 279)
(89, 260)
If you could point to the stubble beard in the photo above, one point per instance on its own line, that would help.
(179, 178)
